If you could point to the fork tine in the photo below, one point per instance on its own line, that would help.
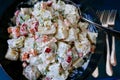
(109, 16)
(98, 13)
(101, 16)
(112, 17)
(105, 18)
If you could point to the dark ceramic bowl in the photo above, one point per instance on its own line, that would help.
(14, 68)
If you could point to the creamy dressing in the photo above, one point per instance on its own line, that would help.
(49, 40)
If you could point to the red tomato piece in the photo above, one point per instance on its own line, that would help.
(25, 56)
(9, 29)
(47, 50)
(16, 31)
(69, 59)
(34, 27)
(23, 29)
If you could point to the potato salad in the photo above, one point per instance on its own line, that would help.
(49, 40)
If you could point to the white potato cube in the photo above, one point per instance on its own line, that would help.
(62, 49)
(62, 31)
(92, 36)
(12, 54)
(16, 43)
(72, 35)
(31, 72)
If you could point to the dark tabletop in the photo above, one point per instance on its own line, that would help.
(107, 5)
(97, 5)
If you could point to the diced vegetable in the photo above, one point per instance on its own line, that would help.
(47, 50)
(15, 32)
(25, 56)
(34, 27)
(69, 59)
(23, 29)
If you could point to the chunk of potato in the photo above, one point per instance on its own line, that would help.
(12, 54)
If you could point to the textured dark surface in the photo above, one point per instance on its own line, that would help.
(96, 4)
(107, 5)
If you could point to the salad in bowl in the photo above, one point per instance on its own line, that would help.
(49, 40)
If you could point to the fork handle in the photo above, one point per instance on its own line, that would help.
(113, 55)
(95, 73)
(108, 65)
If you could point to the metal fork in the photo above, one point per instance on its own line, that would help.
(111, 22)
(96, 71)
(105, 18)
